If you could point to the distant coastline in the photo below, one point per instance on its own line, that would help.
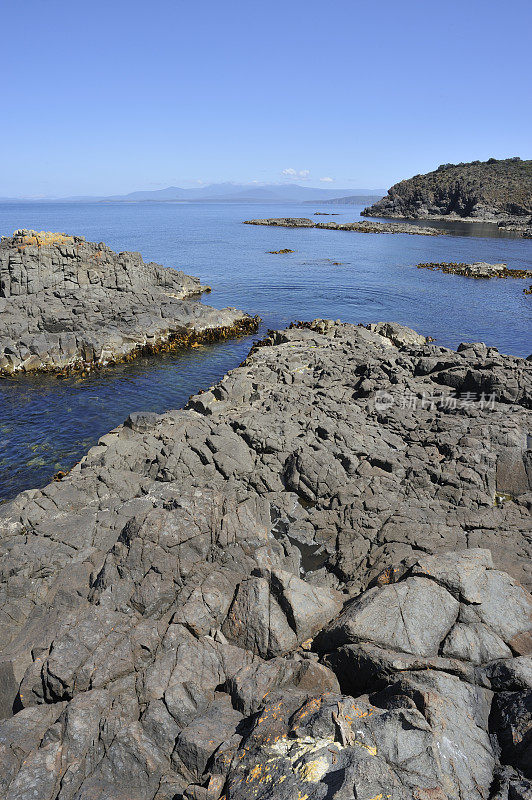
(216, 193)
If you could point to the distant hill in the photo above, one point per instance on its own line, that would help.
(230, 192)
(216, 192)
(494, 191)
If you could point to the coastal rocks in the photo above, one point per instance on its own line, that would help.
(399, 335)
(523, 228)
(280, 252)
(70, 304)
(492, 191)
(479, 269)
(365, 226)
(301, 584)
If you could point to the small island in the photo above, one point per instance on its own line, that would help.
(67, 304)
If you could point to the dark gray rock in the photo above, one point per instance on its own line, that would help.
(497, 191)
(304, 583)
(70, 304)
(413, 617)
(364, 226)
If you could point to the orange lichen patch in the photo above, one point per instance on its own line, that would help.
(271, 711)
(259, 773)
(359, 713)
(255, 773)
(27, 238)
(309, 707)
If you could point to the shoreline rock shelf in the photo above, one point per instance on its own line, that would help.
(68, 304)
(365, 226)
(479, 269)
(299, 585)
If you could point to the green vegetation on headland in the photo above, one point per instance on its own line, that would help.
(484, 191)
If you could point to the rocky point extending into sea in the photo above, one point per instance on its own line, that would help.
(496, 191)
(66, 303)
(365, 226)
(312, 582)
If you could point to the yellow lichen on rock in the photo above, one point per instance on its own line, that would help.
(313, 771)
(39, 238)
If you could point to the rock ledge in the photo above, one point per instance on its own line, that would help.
(68, 304)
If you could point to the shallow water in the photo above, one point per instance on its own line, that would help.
(46, 425)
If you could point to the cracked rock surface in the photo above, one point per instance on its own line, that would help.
(303, 585)
(67, 303)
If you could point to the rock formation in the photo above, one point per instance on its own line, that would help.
(488, 191)
(66, 303)
(479, 269)
(365, 226)
(307, 584)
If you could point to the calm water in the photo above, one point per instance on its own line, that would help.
(47, 425)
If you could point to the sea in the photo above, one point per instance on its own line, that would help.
(47, 425)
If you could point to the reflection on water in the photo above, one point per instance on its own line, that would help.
(46, 425)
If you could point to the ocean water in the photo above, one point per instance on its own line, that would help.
(47, 425)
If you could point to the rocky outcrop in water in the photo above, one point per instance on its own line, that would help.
(365, 226)
(488, 191)
(67, 304)
(479, 269)
(307, 583)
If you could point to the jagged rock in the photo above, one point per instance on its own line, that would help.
(66, 303)
(187, 613)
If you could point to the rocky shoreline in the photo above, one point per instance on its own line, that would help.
(365, 226)
(479, 269)
(494, 191)
(307, 583)
(67, 304)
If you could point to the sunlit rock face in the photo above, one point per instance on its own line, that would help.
(308, 583)
(66, 303)
(498, 191)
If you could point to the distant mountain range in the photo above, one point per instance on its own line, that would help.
(217, 192)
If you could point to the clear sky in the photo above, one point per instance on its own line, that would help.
(103, 97)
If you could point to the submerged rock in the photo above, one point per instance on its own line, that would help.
(300, 585)
(66, 304)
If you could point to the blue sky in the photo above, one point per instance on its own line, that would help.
(107, 97)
